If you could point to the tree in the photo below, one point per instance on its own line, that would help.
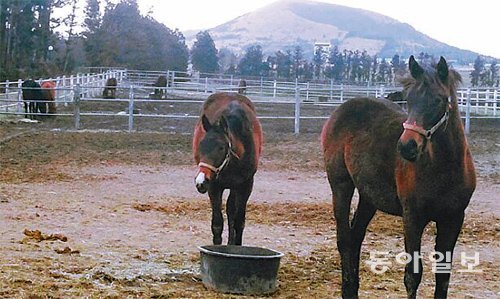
(70, 22)
(25, 34)
(494, 74)
(298, 57)
(318, 61)
(91, 25)
(337, 65)
(139, 43)
(251, 63)
(283, 64)
(204, 53)
(475, 75)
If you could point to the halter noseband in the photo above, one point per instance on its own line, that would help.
(218, 170)
(428, 133)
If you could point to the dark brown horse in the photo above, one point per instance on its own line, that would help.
(242, 86)
(160, 83)
(227, 143)
(109, 91)
(33, 98)
(417, 166)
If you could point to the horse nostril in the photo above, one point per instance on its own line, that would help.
(409, 150)
(202, 188)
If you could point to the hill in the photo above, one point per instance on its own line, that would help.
(287, 23)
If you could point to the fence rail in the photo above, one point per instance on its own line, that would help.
(137, 88)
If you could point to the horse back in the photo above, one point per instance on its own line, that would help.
(219, 103)
(31, 91)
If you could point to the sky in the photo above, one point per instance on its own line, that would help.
(471, 25)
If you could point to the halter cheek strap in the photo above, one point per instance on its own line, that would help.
(428, 133)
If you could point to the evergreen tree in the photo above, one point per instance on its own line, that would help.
(356, 72)
(475, 75)
(493, 74)
(251, 63)
(283, 64)
(318, 61)
(139, 43)
(204, 53)
(366, 61)
(298, 57)
(337, 65)
(70, 22)
(91, 27)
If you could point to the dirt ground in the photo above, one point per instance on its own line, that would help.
(116, 215)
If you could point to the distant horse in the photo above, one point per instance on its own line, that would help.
(109, 91)
(49, 94)
(227, 143)
(417, 166)
(242, 86)
(32, 98)
(161, 83)
(396, 96)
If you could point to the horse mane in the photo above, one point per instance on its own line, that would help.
(238, 121)
(429, 78)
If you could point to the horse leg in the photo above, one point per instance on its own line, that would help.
(413, 229)
(32, 110)
(342, 195)
(447, 234)
(231, 211)
(239, 212)
(215, 194)
(362, 217)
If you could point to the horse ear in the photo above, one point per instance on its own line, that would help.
(442, 69)
(206, 124)
(416, 70)
(223, 124)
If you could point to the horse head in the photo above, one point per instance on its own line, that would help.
(430, 93)
(215, 151)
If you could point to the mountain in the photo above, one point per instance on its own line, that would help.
(285, 24)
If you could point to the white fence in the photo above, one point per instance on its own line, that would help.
(136, 87)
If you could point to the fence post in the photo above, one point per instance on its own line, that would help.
(131, 109)
(331, 91)
(307, 92)
(297, 111)
(261, 86)
(7, 83)
(467, 113)
(206, 84)
(382, 90)
(486, 101)
(76, 101)
(342, 93)
(20, 96)
(495, 102)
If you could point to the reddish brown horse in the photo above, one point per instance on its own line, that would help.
(49, 94)
(417, 166)
(227, 143)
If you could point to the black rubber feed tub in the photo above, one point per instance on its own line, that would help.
(239, 269)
